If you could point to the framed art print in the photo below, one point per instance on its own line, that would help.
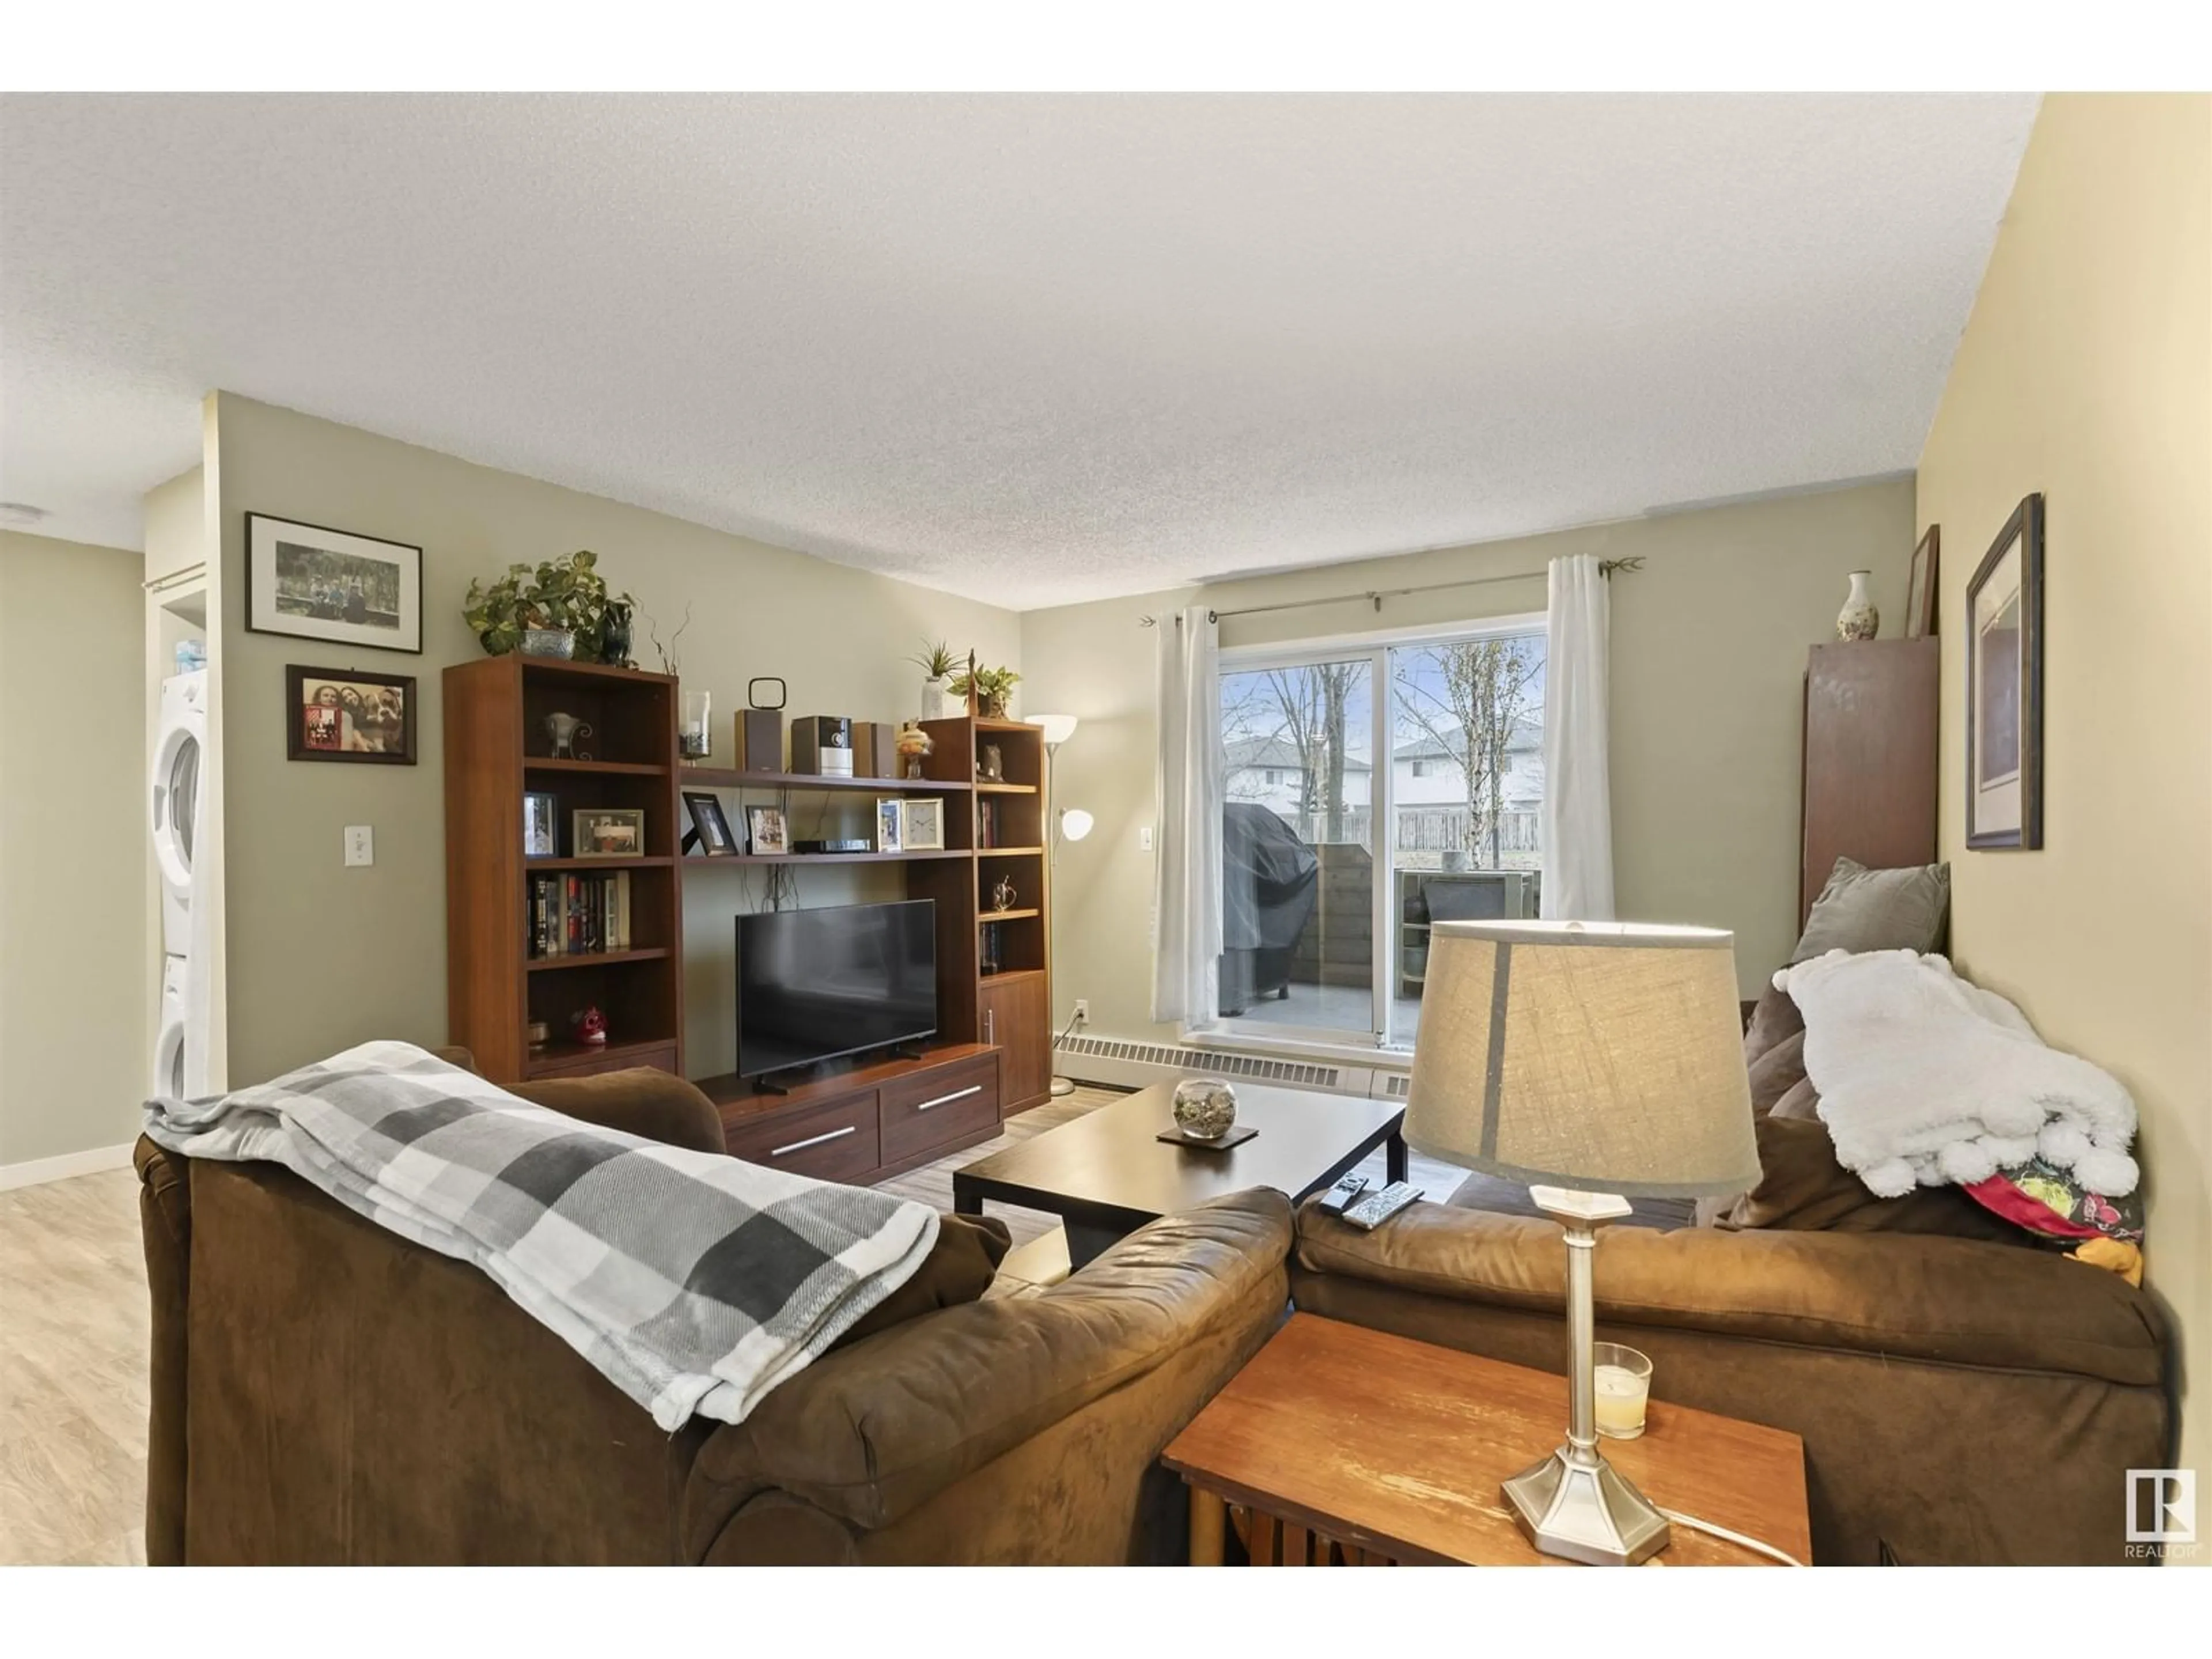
(1920, 596)
(344, 714)
(318, 584)
(890, 828)
(2004, 688)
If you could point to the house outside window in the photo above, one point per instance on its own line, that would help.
(1326, 920)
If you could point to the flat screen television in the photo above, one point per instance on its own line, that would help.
(816, 985)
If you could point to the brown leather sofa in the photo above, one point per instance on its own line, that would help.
(324, 1391)
(1964, 1395)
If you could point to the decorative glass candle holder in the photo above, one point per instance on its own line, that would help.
(695, 738)
(1624, 1388)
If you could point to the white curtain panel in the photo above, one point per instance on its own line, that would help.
(1577, 799)
(1187, 873)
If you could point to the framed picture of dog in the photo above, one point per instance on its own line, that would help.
(348, 715)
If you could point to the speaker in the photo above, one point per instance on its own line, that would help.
(875, 750)
(821, 744)
(760, 739)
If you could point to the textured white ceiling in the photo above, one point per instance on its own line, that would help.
(1030, 349)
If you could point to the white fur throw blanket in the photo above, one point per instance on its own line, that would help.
(1925, 1078)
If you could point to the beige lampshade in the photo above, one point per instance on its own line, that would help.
(1606, 1057)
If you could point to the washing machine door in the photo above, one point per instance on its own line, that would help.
(176, 804)
(169, 1060)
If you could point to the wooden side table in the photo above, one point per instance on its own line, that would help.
(1347, 1446)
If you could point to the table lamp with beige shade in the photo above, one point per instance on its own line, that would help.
(1596, 1061)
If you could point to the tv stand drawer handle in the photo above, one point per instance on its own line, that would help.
(946, 1100)
(801, 1145)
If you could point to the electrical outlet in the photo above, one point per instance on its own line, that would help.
(360, 845)
(1083, 1010)
(1144, 839)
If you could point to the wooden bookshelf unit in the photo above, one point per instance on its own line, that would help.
(1010, 1009)
(994, 1001)
(497, 749)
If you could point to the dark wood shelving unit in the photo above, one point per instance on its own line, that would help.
(607, 769)
(495, 750)
(590, 958)
(695, 861)
(714, 777)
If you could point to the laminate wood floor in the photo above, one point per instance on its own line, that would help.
(74, 1341)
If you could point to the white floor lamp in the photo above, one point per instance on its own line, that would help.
(1072, 824)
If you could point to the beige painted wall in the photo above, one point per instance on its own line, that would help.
(2086, 373)
(1708, 656)
(321, 957)
(73, 954)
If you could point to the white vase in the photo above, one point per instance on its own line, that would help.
(933, 697)
(1858, 619)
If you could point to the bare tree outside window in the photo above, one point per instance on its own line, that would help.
(1468, 698)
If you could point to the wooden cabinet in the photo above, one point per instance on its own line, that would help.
(871, 1120)
(1017, 1016)
(498, 749)
(1869, 778)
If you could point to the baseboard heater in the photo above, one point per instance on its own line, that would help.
(1122, 1065)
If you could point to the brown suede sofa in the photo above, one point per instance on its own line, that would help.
(1965, 1395)
(325, 1392)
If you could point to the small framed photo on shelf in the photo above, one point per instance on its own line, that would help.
(541, 819)
(608, 832)
(346, 715)
(764, 824)
(890, 831)
(710, 830)
(921, 825)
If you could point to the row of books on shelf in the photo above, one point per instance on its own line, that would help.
(578, 914)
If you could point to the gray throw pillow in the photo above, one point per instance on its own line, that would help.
(1863, 909)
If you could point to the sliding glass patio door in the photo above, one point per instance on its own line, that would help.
(1335, 866)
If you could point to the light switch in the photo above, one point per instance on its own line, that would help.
(360, 845)
(1144, 839)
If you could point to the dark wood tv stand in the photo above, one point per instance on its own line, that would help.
(870, 1120)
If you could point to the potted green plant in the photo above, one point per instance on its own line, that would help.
(993, 686)
(938, 664)
(561, 608)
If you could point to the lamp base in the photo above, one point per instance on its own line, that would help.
(1585, 1512)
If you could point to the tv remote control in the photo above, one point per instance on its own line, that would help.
(1334, 1200)
(1372, 1211)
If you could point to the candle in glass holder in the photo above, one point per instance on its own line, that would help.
(1624, 1386)
(694, 737)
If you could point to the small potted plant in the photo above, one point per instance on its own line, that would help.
(561, 608)
(938, 664)
(993, 687)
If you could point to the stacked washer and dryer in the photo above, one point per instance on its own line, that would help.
(181, 746)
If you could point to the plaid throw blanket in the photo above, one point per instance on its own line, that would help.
(693, 1283)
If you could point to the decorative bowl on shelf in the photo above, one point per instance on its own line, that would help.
(548, 642)
(1204, 1106)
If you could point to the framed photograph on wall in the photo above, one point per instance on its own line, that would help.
(2004, 688)
(921, 823)
(1920, 596)
(344, 714)
(318, 584)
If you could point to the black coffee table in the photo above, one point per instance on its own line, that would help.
(1105, 1176)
